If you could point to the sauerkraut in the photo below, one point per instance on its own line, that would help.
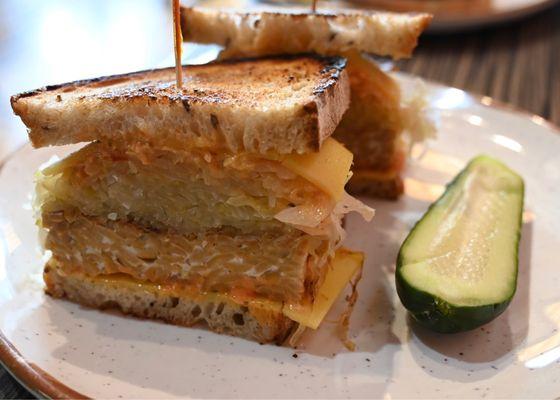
(283, 266)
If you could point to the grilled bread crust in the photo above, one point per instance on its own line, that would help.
(283, 104)
(260, 33)
(264, 326)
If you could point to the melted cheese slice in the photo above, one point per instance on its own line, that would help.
(343, 267)
(329, 168)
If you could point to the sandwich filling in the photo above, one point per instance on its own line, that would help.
(272, 264)
(208, 221)
(201, 189)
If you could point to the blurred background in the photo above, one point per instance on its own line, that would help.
(54, 41)
(507, 50)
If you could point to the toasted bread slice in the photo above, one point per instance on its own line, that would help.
(260, 33)
(131, 297)
(282, 104)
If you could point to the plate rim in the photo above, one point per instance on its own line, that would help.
(450, 25)
(449, 22)
(31, 377)
(42, 384)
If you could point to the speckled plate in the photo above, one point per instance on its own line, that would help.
(60, 349)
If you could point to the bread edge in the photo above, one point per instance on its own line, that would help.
(330, 97)
(331, 102)
(404, 50)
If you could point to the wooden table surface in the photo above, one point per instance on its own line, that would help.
(516, 63)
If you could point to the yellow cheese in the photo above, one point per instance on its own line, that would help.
(329, 168)
(344, 265)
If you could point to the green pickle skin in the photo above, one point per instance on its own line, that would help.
(436, 313)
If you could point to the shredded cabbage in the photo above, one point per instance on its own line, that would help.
(417, 123)
(322, 220)
(349, 203)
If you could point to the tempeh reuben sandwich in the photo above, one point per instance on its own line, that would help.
(373, 128)
(218, 203)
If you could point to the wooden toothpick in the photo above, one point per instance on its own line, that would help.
(178, 43)
(313, 6)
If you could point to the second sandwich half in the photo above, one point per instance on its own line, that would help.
(221, 203)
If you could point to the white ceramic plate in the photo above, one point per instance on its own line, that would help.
(54, 346)
(457, 15)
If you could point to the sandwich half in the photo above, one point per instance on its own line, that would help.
(373, 128)
(218, 203)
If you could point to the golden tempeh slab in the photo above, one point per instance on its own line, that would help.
(284, 266)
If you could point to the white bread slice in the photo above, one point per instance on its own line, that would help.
(261, 325)
(260, 33)
(282, 104)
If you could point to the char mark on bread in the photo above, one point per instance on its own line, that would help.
(283, 104)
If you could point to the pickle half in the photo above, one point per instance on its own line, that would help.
(457, 269)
